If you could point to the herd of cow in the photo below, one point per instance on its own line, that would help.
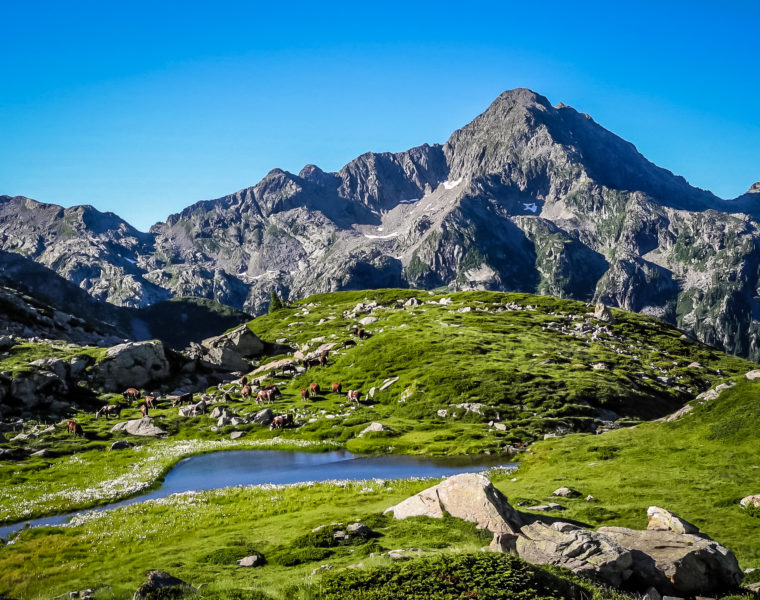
(264, 393)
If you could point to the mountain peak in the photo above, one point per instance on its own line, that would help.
(754, 188)
(523, 97)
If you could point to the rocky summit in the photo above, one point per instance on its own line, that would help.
(527, 197)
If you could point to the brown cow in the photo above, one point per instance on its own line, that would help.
(243, 380)
(150, 401)
(144, 410)
(304, 394)
(323, 358)
(362, 334)
(310, 362)
(353, 396)
(184, 398)
(336, 387)
(272, 388)
(246, 392)
(265, 396)
(314, 389)
(75, 428)
(281, 421)
(131, 394)
(108, 410)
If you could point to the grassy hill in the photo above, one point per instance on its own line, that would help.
(536, 365)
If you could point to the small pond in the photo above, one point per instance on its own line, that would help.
(252, 467)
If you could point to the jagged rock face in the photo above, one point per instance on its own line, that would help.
(527, 197)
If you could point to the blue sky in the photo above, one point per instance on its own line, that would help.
(143, 108)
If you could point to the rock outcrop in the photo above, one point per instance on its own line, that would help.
(677, 563)
(160, 584)
(664, 520)
(133, 364)
(467, 496)
(582, 551)
(144, 427)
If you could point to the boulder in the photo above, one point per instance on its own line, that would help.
(134, 364)
(603, 313)
(237, 434)
(753, 500)
(144, 427)
(677, 563)
(37, 388)
(388, 383)
(220, 411)
(241, 340)
(263, 417)
(664, 520)
(225, 359)
(54, 365)
(754, 374)
(375, 428)
(120, 445)
(566, 492)
(468, 496)
(255, 560)
(161, 584)
(585, 552)
(367, 321)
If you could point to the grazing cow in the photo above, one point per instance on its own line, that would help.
(310, 362)
(272, 388)
(75, 428)
(199, 409)
(265, 396)
(150, 401)
(336, 387)
(110, 409)
(131, 394)
(323, 358)
(183, 399)
(289, 368)
(304, 394)
(243, 380)
(314, 389)
(246, 392)
(144, 410)
(353, 396)
(281, 421)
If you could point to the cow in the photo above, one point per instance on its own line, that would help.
(272, 388)
(246, 392)
(144, 410)
(243, 380)
(281, 421)
(336, 387)
(323, 358)
(304, 394)
(131, 394)
(184, 398)
(353, 396)
(150, 401)
(265, 396)
(310, 362)
(75, 428)
(362, 334)
(108, 410)
(314, 389)
(289, 368)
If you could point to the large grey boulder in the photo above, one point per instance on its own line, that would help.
(144, 427)
(225, 359)
(54, 365)
(134, 364)
(37, 388)
(241, 340)
(582, 551)
(677, 563)
(263, 417)
(160, 584)
(468, 496)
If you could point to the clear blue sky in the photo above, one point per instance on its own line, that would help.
(142, 108)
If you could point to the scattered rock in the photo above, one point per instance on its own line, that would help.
(549, 506)
(753, 500)
(664, 520)
(160, 583)
(467, 496)
(142, 426)
(582, 551)
(120, 445)
(412, 302)
(234, 436)
(375, 428)
(41, 453)
(713, 393)
(677, 563)
(240, 340)
(388, 383)
(566, 492)
(603, 313)
(367, 320)
(255, 560)
(754, 374)
(263, 417)
(442, 413)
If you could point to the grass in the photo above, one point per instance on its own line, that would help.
(527, 360)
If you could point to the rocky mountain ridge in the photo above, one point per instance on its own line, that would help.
(527, 197)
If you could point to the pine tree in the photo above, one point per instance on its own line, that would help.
(274, 302)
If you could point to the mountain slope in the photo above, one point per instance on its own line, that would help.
(527, 197)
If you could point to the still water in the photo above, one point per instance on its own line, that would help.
(252, 467)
